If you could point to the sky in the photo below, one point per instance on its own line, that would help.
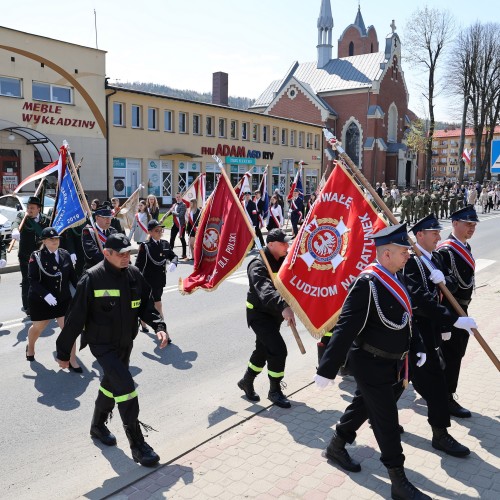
(180, 43)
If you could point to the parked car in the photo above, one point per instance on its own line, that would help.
(5, 229)
(10, 204)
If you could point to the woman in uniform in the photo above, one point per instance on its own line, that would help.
(50, 272)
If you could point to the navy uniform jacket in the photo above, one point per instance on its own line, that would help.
(43, 272)
(360, 322)
(430, 316)
(30, 233)
(93, 254)
(152, 259)
(297, 208)
(251, 209)
(191, 228)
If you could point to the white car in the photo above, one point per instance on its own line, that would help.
(5, 229)
(11, 204)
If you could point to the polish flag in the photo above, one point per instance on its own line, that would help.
(466, 155)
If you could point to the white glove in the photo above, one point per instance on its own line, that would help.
(172, 267)
(50, 299)
(437, 277)
(3, 263)
(423, 358)
(73, 258)
(446, 336)
(465, 323)
(16, 235)
(321, 382)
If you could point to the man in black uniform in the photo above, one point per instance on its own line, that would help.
(93, 254)
(296, 211)
(259, 203)
(253, 215)
(376, 316)
(109, 299)
(29, 240)
(266, 310)
(431, 318)
(457, 256)
(71, 241)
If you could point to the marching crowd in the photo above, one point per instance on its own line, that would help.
(394, 327)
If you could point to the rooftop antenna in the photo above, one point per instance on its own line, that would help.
(95, 26)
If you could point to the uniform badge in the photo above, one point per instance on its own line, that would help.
(324, 244)
(211, 237)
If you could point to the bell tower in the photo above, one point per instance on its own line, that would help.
(325, 26)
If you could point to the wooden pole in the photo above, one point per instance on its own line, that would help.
(259, 247)
(442, 287)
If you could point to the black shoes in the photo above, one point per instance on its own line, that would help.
(275, 395)
(141, 451)
(337, 453)
(457, 410)
(443, 441)
(99, 430)
(401, 488)
(28, 357)
(144, 329)
(76, 369)
(246, 385)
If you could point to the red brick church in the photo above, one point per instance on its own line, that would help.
(361, 96)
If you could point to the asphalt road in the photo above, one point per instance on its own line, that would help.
(187, 391)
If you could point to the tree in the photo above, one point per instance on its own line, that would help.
(428, 33)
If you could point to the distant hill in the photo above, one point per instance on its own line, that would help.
(156, 88)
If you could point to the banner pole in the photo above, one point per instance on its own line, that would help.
(442, 287)
(257, 244)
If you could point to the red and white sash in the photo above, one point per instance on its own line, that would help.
(460, 249)
(101, 235)
(393, 285)
(140, 224)
(276, 221)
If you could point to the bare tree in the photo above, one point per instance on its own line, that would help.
(427, 35)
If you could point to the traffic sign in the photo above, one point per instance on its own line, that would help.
(495, 156)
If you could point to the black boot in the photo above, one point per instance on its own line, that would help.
(402, 489)
(246, 385)
(456, 410)
(442, 440)
(98, 427)
(275, 395)
(141, 451)
(336, 451)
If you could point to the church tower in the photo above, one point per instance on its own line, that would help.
(325, 26)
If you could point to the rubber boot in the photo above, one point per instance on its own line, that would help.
(401, 488)
(275, 395)
(246, 385)
(336, 451)
(442, 440)
(141, 451)
(98, 427)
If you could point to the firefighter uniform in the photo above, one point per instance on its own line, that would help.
(106, 308)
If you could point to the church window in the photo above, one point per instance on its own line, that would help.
(351, 49)
(392, 124)
(352, 142)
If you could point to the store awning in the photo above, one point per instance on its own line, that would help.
(164, 152)
(47, 149)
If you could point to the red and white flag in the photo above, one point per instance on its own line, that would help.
(331, 249)
(56, 167)
(244, 185)
(297, 183)
(196, 191)
(221, 243)
(466, 155)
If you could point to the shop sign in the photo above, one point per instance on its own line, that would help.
(9, 183)
(236, 152)
(45, 117)
(119, 163)
(240, 161)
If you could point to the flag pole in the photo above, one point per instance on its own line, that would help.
(388, 213)
(257, 244)
(21, 225)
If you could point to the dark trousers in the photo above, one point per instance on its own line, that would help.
(25, 283)
(258, 233)
(173, 233)
(270, 347)
(376, 398)
(429, 381)
(117, 381)
(294, 219)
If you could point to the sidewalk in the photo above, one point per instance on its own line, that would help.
(277, 453)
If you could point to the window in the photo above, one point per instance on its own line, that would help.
(10, 86)
(210, 126)
(168, 118)
(183, 118)
(265, 134)
(244, 131)
(234, 129)
(351, 49)
(352, 142)
(316, 141)
(118, 120)
(275, 135)
(301, 139)
(392, 124)
(309, 140)
(52, 93)
(222, 127)
(136, 116)
(152, 119)
(293, 140)
(256, 133)
(284, 137)
(196, 124)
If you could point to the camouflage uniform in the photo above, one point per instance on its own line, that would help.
(427, 203)
(453, 201)
(444, 204)
(435, 203)
(419, 207)
(389, 201)
(405, 207)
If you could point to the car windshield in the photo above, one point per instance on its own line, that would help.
(48, 202)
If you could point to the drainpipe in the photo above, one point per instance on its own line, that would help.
(107, 135)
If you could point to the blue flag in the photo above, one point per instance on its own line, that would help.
(69, 211)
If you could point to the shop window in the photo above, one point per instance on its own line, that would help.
(210, 126)
(234, 129)
(276, 132)
(118, 119)
(152, 119)
(196, 124)
(265, 134)
(284, 137)
(169, 120)
(10, 87)
(183, 121)
(222, 127)
(136, 116)
(52, 93)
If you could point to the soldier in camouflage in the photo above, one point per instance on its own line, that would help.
(405, 207)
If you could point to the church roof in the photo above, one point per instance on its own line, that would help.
(358, 22)
(348, 73)
(325, 19)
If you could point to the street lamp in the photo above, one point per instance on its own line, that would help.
(12, 137)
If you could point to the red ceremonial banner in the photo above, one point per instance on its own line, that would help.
(222, 241)
(331, 249)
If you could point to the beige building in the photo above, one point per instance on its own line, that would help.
(165, 142)
(51, 91)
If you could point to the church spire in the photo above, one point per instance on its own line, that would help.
(359, 22)
(325, 26)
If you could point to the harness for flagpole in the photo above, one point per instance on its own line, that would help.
(336, 145)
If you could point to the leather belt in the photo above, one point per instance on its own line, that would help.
(383, 354)
(464, 302)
